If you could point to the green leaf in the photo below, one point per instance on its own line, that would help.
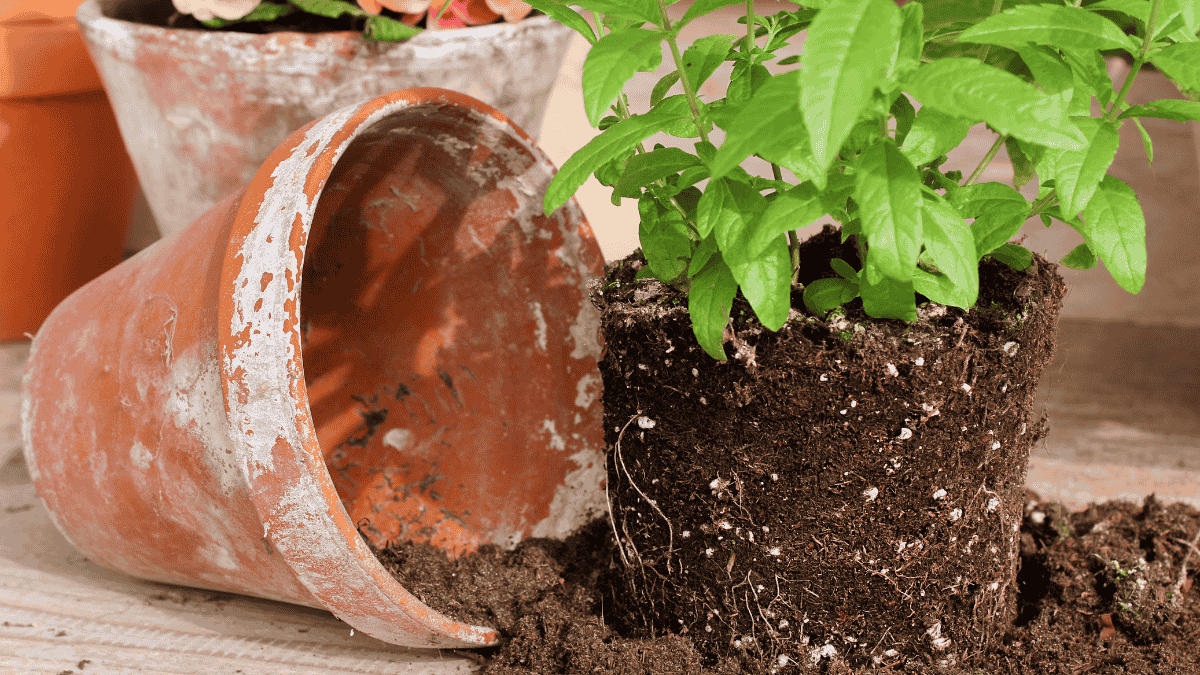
(941, 289)
(770, 120)
(385, 29)
(727, 209)
(844, 269)
(264, 11)
(1136, 9)
(664, 238)
(1167, 109)
(638, 11)
(612, 62)
(998, 210)
(709, 302)
(905, 114)
(967, 88)
(1078, 172)
(1014, 255)
(643, 169)
(1023, 170)
(702, 255)
(567, 17)
(1080, 258)
(950, 245)
(789, 211)
(933, 133)
(884, 297)
(614, 142)
(663, 87)
(745, 81)
(847, 54)
(703, 58)
(766, 281)
(1115, 229)
(1048, 68)
(823, 295)
(1090, 70)
(912, 38)
(1049, 24)
(888, 192)
(1146, 143)
(701, 8)
(329, 8)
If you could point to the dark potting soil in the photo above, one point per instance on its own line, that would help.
(1023, 591)
(846, 485)
(1103, 591)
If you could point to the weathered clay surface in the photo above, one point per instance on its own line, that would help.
(180, 412)
(201, 110)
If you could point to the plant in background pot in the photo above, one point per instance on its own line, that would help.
(818, 448)
(202, 104)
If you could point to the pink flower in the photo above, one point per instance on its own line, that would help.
(458, 14)
(207, 9)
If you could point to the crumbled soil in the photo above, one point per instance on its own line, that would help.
(1087, 601)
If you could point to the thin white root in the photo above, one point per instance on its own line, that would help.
(1192, 547)
(670, 528)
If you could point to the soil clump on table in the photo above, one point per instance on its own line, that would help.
(1107, 590)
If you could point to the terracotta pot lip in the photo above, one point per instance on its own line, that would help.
(260, 346)
(115, 31)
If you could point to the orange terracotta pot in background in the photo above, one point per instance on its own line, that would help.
(382, 333)
(67, 185)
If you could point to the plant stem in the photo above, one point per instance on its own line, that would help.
(749, 47)
(996, 5)
(693, 102)
(1139, 60)
(987, 159)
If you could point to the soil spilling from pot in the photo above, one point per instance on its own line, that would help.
(883, 524)
(1103, 591)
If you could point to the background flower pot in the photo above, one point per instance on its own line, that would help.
(383, 333)
(201, 110)
(66, 183)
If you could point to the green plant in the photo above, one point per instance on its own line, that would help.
(843, 138)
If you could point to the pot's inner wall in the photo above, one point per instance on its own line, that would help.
(435, 336)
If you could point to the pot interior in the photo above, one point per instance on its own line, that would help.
(449, 349)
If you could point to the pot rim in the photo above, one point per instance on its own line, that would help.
(260, 353)
(428, 43)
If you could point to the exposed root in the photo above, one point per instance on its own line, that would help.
(651, 502)
(1183, 567)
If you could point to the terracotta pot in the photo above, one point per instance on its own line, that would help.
(201, 110)
(383, 332)
(66, 184)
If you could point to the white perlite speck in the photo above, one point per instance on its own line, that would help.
(905, 434)
(939, 494)
(645, 422)
(871, 493)
(955, 515)
(892, 370)
(993, 504)
(1010, 348)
